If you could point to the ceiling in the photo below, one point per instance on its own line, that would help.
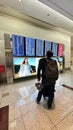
(50, 14)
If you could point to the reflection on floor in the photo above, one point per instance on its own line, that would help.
(26, 114)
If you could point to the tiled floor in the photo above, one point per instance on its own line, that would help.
(26, 114)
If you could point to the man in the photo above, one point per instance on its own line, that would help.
(48, 83)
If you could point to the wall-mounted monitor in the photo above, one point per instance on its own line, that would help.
(39, 47)
(24, 67)
(18, 45)
(55, 48)
(30, 46)
(47, 46)
(60, 50)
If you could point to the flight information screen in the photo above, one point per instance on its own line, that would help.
(55, 49)
(18, 45)
(30, 46)
(39, 47)
(47, 46)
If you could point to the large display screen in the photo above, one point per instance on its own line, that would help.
(18, 45)
(39, 47)
(60, 50)
(30, 46)
(47, 46)
(55, 48)
(24, 67)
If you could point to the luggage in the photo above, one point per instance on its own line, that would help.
(39, 85)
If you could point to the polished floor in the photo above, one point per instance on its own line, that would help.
(26, 114)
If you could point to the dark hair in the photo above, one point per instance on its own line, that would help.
(24, 60)
(49, 54)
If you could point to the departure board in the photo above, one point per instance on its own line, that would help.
(39, 47)
(47, 46)
(30, 46)
(55, 49)
(18, 45)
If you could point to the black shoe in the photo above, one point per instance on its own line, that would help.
(49, 107)
(49, 104)
(38, 101)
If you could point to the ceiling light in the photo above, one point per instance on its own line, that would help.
(20, 0)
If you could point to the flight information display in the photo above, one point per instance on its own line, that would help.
(30, 46)
(18, 45)
(55, 48)
(39, 47)
(47, 46)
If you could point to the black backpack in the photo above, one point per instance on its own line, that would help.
(51, 69)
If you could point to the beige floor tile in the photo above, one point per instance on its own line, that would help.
(65, 100)
(56, 114)
(17, 124)
(1, 89)
(60, 90)
(14, 112)
(9, 99)
(24, 109)
(32, 97)
(67, 123)
(54, 128)
(37, 121)
(29, 107)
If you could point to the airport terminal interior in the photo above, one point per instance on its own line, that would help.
(28, 29)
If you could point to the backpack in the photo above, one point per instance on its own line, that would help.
(51, 69)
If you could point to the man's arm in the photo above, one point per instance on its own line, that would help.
(39, 70)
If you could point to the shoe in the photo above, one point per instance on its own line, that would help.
(37, 101)
(49, 107)
(49, 104)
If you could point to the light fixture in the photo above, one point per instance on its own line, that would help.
(20, 0)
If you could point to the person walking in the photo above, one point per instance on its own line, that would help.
(48, 76)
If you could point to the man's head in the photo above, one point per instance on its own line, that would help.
(49, 54)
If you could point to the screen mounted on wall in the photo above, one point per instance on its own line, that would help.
(55, 48)
(47, 46)
(39, 47)
(60, 49)
(18, 45)
(30, 46)
(24, 67)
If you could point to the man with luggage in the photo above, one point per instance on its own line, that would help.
(49, 69)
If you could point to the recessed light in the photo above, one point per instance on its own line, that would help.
(20, 0)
